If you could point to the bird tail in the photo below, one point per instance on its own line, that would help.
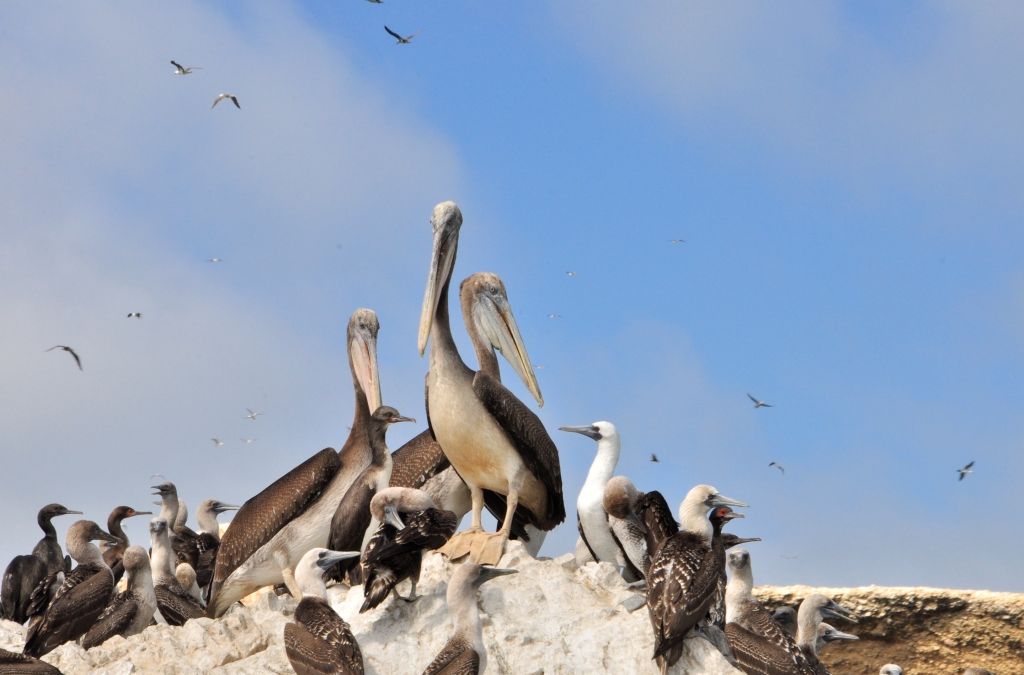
(377, 588)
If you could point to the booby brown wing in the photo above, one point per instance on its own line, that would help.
(176, 605)
(261, 517)
(657, 518)
(457, 657)
(530, 439)
(681, 588)
(114, 620)
(20, 664)
(425, 530)
(72, 614)
(320, 641)
(417, 461)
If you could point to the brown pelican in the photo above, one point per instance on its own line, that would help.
(25, 572)
(494, 441)
(175, 603)
(274, 529)
(20, 664)
(183, 70)
(319, 641)
(683, 575)
(131, 610)
(401, 40)
(591, 517)
(113, 552)
(409, 525)
(80, 599)
(69, 350)
(812, 611)
(221, 97)
(758, 403)
(759, 644)
(465, 653)
(352, 524)
(620, 501)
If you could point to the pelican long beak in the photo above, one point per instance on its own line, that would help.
(442, 260)
(589, 430)
(330, 558)
(834, 610)
(362, 354)
(392, 518)
(833, 635)
(488, 573)
(496, 321)
(722, 500)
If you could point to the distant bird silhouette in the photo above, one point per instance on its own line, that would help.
(217, 442)
(221, 97)
(778, 466)
(677, 241)
(247, 441)
(182, 70)
(758, 403)
(400, 40)
(214, 260)
(554, 316)
(376, 2)
(252, 414)
(570, 274)
(654, 458)
(134, 315)
(71, 351)
(963, 472)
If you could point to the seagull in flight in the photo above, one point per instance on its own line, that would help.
(966, 470)
(217, 442)
(758, 403)
(214, 260)
(677, 241)
(400, 40)
(654, 458)
(182, 70)
(71, 351)
(247, 441)
(134, 315)
(778, 466)
(554, 316)
(570, 274)
(221, 97)
(252, 414)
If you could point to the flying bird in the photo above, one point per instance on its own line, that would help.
(217, 442)
(71, 351)
(182, 70)
(963, 472)
(758, 403)
(134, 315)
(778, 466)
(252, 414)
(221, 97)
(400, 40)
(570, 274)
(554, 316)
(654, 458)
(214, 260)
(247, 441)
(376, 2)
(677, 241)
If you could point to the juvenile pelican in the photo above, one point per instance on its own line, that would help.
(494, 441)
(131, 610)
(319, 641)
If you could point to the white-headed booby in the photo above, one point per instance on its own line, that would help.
(890, 669)
(319, 641)
(130, 611)
(827, 634)
(809, 617)
(175, 603)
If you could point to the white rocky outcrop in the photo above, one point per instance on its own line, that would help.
(552, 617)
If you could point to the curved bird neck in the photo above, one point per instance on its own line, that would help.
(738, 593)
(46, 526)
(311, 583)
(604, 464)
(443, 352)
(161, 561)
(485, 356)
(357, 449)
(208, 524)
(85, 552)
(169, 508)
(807, 621)
(141, 581)
(693, 518)
(466, 618)
(114, 528)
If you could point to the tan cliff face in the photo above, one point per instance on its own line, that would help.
(927, 631)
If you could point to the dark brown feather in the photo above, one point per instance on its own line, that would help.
(765, 644)
(20, 664)
(114, 620)
(21, 577)
(417, 461)
(348, 526)
(71, 613)
(658, 521)
(457, 657)
(319, 641)
(175, 603)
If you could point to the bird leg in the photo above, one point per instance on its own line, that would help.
(289, 581)
(488, 547)
(461, 543)
(412, 593)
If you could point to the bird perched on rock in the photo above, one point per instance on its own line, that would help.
(131, 610)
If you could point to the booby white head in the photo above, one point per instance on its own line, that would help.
(608, 447)
(813, 610)
(827, 634)
(890, 669)
(206, 515)
(740, 588)
(694, 509)
(309, 573)
(79, 540)
(163, 557)
(169, 503)
(186, 576)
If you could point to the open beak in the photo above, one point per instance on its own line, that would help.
(330, 558)
(722, 500)
(495, 320)
(392, 518)
(834, 610)
(362, 355)
(588, 430)
(488, 573)
(157, 490)
(442, 260)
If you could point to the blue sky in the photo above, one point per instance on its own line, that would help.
(846, 177)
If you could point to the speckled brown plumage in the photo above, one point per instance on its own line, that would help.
(72, 612)
(20, 664)
(457, 657)
(417, 461)
(319, 641)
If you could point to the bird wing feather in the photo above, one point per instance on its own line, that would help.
(417, 461)
(457, 657)
(755, 655)
(72, 614)
(320, 641)
(175, 603)
(114, 620)
(393, 34)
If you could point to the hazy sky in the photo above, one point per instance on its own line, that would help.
(847, 178)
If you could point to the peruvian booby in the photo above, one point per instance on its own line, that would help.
(113, 553)
(175, 603)
(409, 525)
(827, 634)
(683, 575)
(785, 616)
(809, 617)
(19, 664)
(233, 99)
(464, 653)
(25, 572)
(759, 644)
(718, 517)
(620, 501)
(490, 437)
(273, 530)
(319, 641)
(591, 517)
(130, 611)
(82, 596)
(352, 524)
(890, 669)
(186, 576)
(199, 550)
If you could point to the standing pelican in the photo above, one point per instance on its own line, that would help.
(319, 641)
(131, 610)
(113, 553)
(274, 529)
(464, 653)
(494, 441)
(80, 599)
(25, 572)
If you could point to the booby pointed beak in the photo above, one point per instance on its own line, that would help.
(488, 573)
(330, 558)
(833, 635)
(493, 316)
(226, 507)
(745, 540)
(106, 536)
(442, 260)
(834, 610)
(722, 500)
(362, 354)
(392, 518)
(589, 430)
